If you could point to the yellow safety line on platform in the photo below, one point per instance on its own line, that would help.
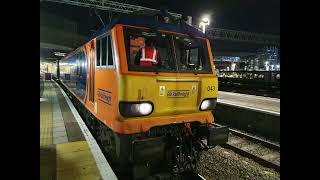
(102, 164)
(47, 153)
(75, 161)
(70, 161)
(46, 117)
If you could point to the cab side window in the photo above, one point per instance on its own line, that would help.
(110, 53)
(98, 53)
(105, 52)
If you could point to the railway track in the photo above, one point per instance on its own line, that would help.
(181, 176)
(192, 175)
(261, 151)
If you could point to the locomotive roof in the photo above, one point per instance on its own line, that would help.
(144, 21)
(149, 21)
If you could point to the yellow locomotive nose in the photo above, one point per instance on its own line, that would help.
(171, 95)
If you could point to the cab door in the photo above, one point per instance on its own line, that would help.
(178, 94)
(90, 49)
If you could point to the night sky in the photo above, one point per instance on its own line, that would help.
(248, 15)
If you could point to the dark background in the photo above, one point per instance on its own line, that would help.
(299, 98)
(262, 16)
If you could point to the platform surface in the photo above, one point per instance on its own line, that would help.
(259, 103)
(64, 151)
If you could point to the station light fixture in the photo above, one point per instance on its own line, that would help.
(233, 66)
(59, 54)
(205, 21)
(267, 66)
(272, 67)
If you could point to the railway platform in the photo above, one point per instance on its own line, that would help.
(250, 113)
(67, 148)
(252, 102)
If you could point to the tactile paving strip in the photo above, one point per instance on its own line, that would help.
(46, 119)
(75, 161)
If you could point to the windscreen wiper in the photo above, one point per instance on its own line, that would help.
(192, 66)
(194, 72)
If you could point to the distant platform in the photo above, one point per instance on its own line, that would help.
(252, 102)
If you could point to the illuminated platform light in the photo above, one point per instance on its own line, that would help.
(59, 54)
(233, 66)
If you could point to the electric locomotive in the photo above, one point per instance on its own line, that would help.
(146, 120)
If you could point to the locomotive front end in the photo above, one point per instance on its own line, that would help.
(167, 108)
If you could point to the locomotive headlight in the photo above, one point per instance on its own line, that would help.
(134, 109)
(145, 108)
(208, 104)
(205, 104)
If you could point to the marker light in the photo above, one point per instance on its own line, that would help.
(134, 109)
(208, 104)
(59, 54)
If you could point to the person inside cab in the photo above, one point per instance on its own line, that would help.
(148, 55)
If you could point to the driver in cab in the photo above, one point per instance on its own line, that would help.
(148, 55)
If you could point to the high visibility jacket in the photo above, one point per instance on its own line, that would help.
(149, 57)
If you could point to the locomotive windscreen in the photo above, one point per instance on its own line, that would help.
(177, 53)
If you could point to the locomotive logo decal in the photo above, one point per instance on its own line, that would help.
(104, 96)
(162, 89)
(178, 94)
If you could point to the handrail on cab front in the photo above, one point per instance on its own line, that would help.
(177, 80)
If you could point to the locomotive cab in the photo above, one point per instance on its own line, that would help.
(182, 82)
(170, 104)
(182, 87)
